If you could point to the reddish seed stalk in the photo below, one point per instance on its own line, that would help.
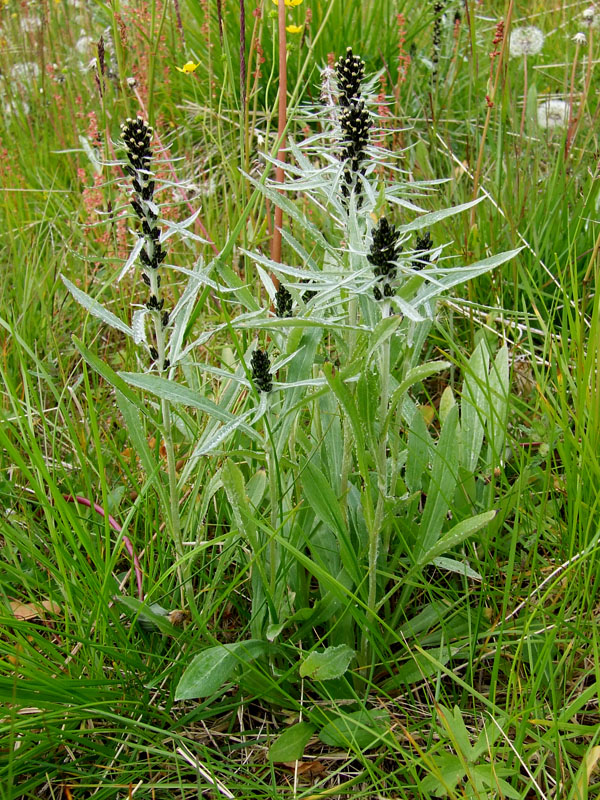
(490, 105)
(83, 501)
(276, 241)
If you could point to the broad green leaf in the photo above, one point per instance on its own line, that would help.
(211, 669)
(359, 730)
(290, 745)
(449, 769)
(488, 776)
(97, 309)
(457, 731)
(331, 663)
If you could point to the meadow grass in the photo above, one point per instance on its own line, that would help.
(477, 683)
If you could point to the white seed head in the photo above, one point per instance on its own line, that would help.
(580, 38)
(590, 17)
(527, 41)
(553, 114)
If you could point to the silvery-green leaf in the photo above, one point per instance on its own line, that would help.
(451, 565)
(427, 220)
(459, 275)
(97, 309)
(181, 227)
(205, 447)
(132, 257)
(267, 283)
(138, 325)
(91, 154)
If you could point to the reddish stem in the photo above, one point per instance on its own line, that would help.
(83, 501)
(279, 175)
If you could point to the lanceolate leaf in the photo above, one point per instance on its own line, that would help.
(211, 669)
(97, 309)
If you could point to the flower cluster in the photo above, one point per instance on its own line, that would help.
(261, 371)
(283, 302)
(355, 119)
(422, 251)
(349, 70)
(137, 135)
(383, 255)
(438, 11)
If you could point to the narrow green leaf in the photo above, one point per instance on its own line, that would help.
(97, 309)
(474, 406)
(139, 441)
(456, 536)
(442, 485)
(321, 498)
(427, 220)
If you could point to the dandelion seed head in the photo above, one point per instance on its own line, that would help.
(591, 17)
(30, 24)
(553, 114)
(580, 38)
(84, 44)
(527, 41)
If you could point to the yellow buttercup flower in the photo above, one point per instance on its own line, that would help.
(288, 3)
(189, 67)
(293, 28)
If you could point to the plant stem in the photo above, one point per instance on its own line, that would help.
(183, 570)
(375, 530)
(281, 126)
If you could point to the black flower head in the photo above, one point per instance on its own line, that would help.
(355, 122)
(383, 255)
(283, 302)
(137, 134)
(261, 371)
(424, 243)
(349, 71)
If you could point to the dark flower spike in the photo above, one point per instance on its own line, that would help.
(261, 371)
(283, 302)
(349, 71)
(383, 254)
(137, 135)
(355, 122)
(424, 243)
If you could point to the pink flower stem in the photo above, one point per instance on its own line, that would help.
(83, 501)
